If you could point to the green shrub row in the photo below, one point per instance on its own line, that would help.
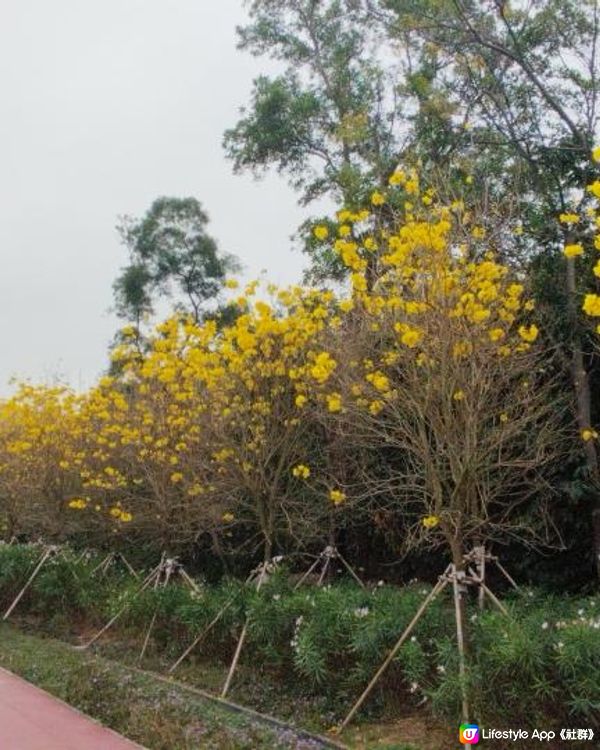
(541, 662)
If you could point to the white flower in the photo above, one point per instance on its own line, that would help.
(413, 639)
(441, 669)
(414, 686)
(361, 612)
(545, 626)
(276, 597)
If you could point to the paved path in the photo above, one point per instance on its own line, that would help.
(31, 719)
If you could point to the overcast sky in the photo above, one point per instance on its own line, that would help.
(106, 105)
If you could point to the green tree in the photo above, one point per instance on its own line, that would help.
(332, 120)
(170, 255)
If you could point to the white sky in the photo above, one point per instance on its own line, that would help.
(104, 106)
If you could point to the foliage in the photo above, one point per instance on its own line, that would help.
(539, 664)
(170, 253)
(136, 705)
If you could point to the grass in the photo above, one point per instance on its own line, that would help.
(164, 716)
(156, 714)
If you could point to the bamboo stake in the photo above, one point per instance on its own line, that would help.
(19, 596)
(240, 644)
(506, 574)
(149, 579)
(350, 570)
(155, 614)
(324, 570)
(128, 566)
(481, 568)
(101, 565)
(207, 630)
(440, 585)
(461, 645)
(188, 579)
(493, 597)
(147, 638)
(308, 572)
(202, 635)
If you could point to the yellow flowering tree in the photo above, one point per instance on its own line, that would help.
(447, 373)
(38, 447)
(146, 464)
(262, 440)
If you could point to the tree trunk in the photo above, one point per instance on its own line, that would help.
(581, 385)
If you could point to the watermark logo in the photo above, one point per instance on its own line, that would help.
(468, 734)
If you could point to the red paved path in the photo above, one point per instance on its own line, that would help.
(30, 719)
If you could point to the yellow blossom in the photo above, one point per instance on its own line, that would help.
(573, 250)
(594, 188)
(591, 305)
(529, 334)
(321, 232)
(359, 283)
(398, 178)
(430, 522)
(78, 503)
(337, 497)
(568, 218)
(301, 471)
(376, 406)
(334, 402)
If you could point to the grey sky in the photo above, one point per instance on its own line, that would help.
(105, 105)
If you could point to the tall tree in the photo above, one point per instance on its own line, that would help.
(170, 254)
(331, 121)
(524, 77)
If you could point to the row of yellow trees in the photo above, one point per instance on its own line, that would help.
(423, 396)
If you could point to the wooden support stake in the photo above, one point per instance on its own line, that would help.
(481, 570)
(149, 579)
(189, 580)
(324, 571)
(147, 638)
(351, 570)
(240, 644)
(494, 599)
(505, 573)
(308, 572)
(128, 566)
(19, 596)
(202, 635)
(461, 645)
(440, 585)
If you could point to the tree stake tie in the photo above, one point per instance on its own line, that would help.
(325, 558)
